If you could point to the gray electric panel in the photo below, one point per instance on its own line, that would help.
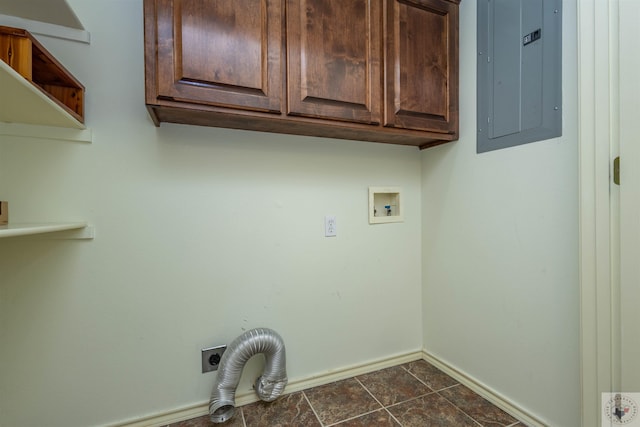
(519, 72)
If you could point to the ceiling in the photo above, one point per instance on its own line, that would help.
(56, 12)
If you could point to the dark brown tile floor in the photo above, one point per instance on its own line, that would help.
(415, 394)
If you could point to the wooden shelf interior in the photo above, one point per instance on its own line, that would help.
(44, 78)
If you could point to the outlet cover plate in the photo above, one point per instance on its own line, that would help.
(330, 229)
(211, 358)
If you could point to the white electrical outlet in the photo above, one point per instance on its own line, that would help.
(330, 226)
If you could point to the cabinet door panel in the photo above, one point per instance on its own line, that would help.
(421, 88)
(334, 56)
(221, 52)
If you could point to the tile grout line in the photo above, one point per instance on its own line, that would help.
(415, 376)
(428, 386)
(379, 403)
(393, 416)
(458, 383)
(355, 417)
(461, 410)
(313, 409)
(457, 407)
(438, 393)
(447, 388)
(410, 402)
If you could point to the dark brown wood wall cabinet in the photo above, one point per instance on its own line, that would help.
(421, 51)
(334, 59)
(370, 70)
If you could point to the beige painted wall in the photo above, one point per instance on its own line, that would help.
(201, 233)
(500, 252)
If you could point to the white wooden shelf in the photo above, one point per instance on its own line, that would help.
(41, 28)
(23, 102)
(28, 110)
(31, 113)
(72, 230)
(46, 132)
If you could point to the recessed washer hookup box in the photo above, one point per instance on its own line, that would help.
(4, 213)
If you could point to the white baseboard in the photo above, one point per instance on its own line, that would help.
(294, 385)
(491, 395)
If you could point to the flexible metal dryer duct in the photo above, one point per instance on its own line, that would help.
(268, 386)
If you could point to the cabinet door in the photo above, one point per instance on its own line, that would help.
(421, 45)
(221, 52)
(334, 59)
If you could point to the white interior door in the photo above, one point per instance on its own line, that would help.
(629, 135)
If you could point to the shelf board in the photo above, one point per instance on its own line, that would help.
(45, 28)
(52, 11)
(46, 132)
(81, 229)
(23, 102)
